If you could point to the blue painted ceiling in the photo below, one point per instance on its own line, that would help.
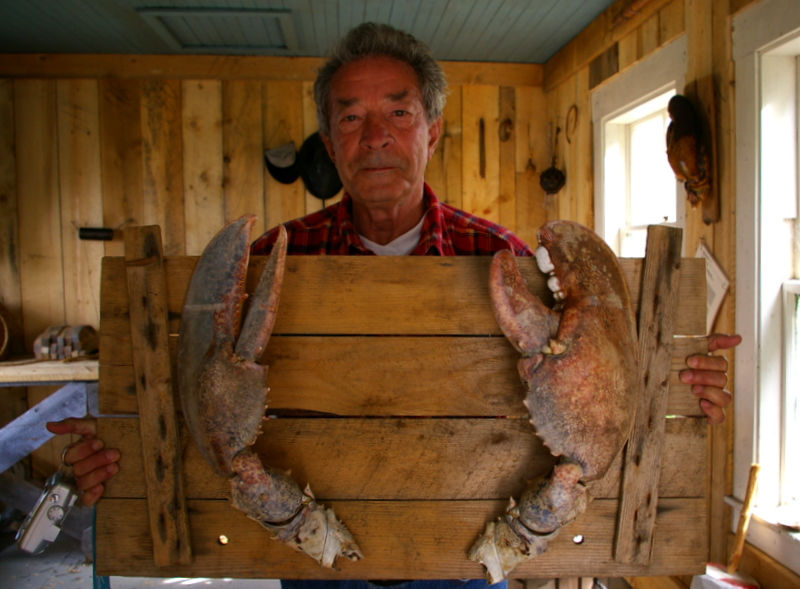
(516, 31)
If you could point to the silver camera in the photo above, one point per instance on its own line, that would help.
(43, 523)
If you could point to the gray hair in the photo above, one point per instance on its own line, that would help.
(371, 39)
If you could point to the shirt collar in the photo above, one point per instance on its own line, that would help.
(431, 242)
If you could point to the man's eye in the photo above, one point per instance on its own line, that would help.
(349, 118)
(400, 113)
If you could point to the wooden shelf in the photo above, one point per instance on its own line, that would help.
(22, 371)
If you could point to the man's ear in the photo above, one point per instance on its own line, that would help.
(434, 132)
(326, 141)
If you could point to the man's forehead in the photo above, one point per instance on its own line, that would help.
(388, 79)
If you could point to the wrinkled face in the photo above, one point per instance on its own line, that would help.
(380, 139)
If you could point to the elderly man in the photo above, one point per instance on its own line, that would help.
(379, 103)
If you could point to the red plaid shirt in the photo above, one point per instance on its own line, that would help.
(446, 231)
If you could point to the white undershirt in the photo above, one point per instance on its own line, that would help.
(401, 246)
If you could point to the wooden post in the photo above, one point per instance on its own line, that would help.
(642, 462)
(161, 450)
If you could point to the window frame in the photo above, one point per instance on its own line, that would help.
(756, 30)
(649, 78)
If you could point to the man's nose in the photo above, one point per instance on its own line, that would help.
(375, 133)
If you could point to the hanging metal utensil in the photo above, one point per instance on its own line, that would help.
(552, 179)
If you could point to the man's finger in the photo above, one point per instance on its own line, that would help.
(722, 341)
(714, 414)
(91, 496)
(85, 427)
(96, 476)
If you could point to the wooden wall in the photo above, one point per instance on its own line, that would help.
(108, 141)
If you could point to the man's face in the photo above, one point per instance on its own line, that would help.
(380, 138)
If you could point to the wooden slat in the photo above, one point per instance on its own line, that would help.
(283, 122)
(532, 159)
(344, 375)
(408, 459)
(638, 509)
(507, 120)
(243, 150)
(202, 162)
(121, 157)
(400, 540)
(481, 159)
(162, 162)
(41, 271)
(81, 197)
(10, 295)
(383, 295)
(49, 371)
(594, 39)
(159, 443)
(230, 67)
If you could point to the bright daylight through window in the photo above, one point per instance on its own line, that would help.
(639, 185)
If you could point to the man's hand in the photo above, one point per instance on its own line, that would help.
(708, 376)
(92, 465)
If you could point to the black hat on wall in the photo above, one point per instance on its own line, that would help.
(317, 169)
(282, 163)
(312, 163)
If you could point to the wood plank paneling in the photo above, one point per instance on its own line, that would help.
(283, 121)
(430, 539)
(384, 295)
(243, 150)
(162, 162)
(336, 374)
(403, 458)
(233, 67)
(121, 157)
(10, 295)
(41, 266)
(81, 198)
(202, 162)
(506, 131)
(481, 146)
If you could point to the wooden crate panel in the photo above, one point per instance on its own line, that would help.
(380, 295)
(407, 459)
(428, 539)
(396, 397)
(443, 376)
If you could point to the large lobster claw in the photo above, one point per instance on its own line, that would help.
(224, 392)
(579, 365)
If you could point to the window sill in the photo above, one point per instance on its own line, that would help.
(779, 542)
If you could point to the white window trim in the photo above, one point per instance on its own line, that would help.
(757, 28)
(665, 69)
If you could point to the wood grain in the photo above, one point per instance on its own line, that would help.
(378, 296)
(419, 539)
(121, 157)
(202, 162)
(348, 375)
(161, 463)
(41, 267)
(10, 295)
(231, 67)
(81, 197)
(162, 162)
(444, 459)
(643, 455)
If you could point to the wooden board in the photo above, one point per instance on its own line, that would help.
(396, 397)
(421, 539)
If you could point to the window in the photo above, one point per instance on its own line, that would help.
(634, 184)
(640, 187)
(766, 48)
